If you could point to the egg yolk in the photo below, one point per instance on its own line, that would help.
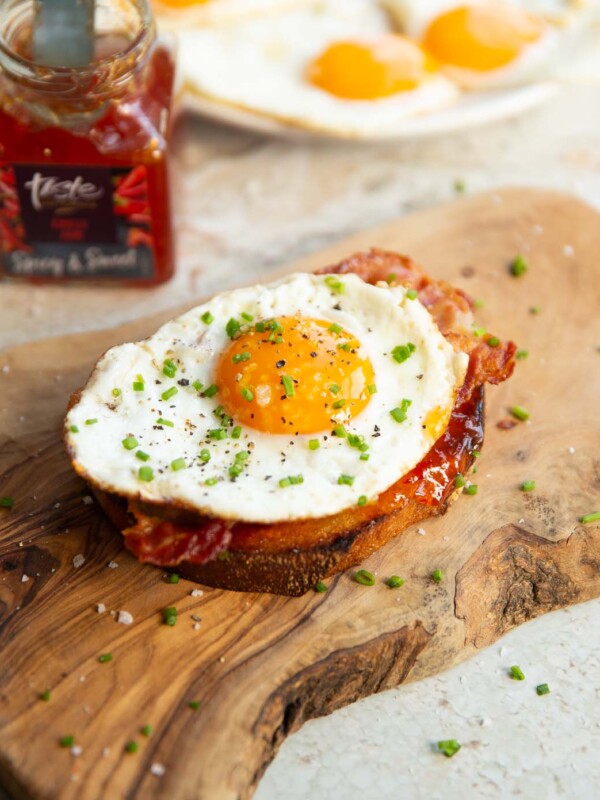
(183, 3)
(294, 375)
(483, 38)
(371, 69)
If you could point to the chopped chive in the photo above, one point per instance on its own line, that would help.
(74, 429)
(284, 482)
(170, 616)
(232, 328)
(520, 413)
(527, 486)
(211, 482)
(471, 489)
(493, 341)
(391, 278)
(260, 327)
(459, 481)
(142, 456)
(340, 431)
(542, 689)
(362, 500)
(7, 502)
(402, 352)
(207, 318)
(138, 384)
(66, 741)
(313, 444)
(194, 705)
(245, 356)
(242, 456)
(516, 673)
(211, 391)
(169, 368)
(335, 328)
(364, 456)
(45, 696)
(395, 581)
(345, 480)
(400, 414)
(475, 453)
(235, 471)
(165, 422)
(334, 388)
(248, 317)
(146, 730)
(478, 303)
(146, 473)
(449, 747)
(217, 433)
(177, 464)
(129, 442)
(534, 310)
(320, 587)
(355, 440)
(247, 394)
(459, 186)
(479, 332)
(339, 403)
(594, 517)
(291, 480)
(236, 432)
(335, 284)
(131, 747)
(169, 393)
(92, 421)
(116, 392)
(288, 386)
(521, 354)
(173, 577)
(197, 385)
(518, 267)
(104, 658)
(372, 388)
(412, 294)
(437, 576)
(345, 347)
(364, 577)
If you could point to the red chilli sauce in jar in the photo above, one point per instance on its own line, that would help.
(84, 185)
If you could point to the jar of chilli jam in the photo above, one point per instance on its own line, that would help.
(84, 184)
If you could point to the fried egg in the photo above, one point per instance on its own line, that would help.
(489, 44)
(336, 67)
(183, 14)
(287, 401)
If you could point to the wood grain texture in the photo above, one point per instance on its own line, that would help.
(259, 664)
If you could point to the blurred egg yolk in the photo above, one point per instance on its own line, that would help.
(183, 3)
(370, 70)
(294, 375)
(481, 38)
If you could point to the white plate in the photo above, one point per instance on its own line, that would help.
(476, 108)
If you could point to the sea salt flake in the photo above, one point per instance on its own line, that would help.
(157, 769)
(196, 593)
(112, 565)
(568, 250)
(571, 450)
(421, 531)
(79, 560)
(76, 750)
(196, 626)
(24, 578)
(100, 608)
(124, 617)
(88, 500)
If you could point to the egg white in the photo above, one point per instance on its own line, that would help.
(217, 12)
(381, 317)
(259, 65)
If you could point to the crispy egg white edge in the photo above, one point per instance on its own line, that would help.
(262, 63)
(320, 495)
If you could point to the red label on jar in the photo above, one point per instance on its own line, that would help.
(75, 222)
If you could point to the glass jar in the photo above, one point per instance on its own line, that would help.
(84, 186)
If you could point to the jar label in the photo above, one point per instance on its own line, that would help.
(75, 222)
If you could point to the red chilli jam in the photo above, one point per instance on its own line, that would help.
(84, 190)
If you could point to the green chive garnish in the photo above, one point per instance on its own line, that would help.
(165, 422)
(339, 404)
(362, 500)
(74, 429)
(345, 480)
(534, 310)
(527, 486)
(364, 456)
(479, 332)
(412, 294)
(173, 577)
(335, 328)
(395, 582)
(92, 421)
(232, 328)
(493, 341)
(516, 673)
(177, 464)
(402, 352)
(7, 502)
(345, 347)
(313, 444)
(138, 384)
(142, 456)
(288, 386)
(543, 688)
(372, 388)
(129, 443)
(334, 388)
(131, 747)
(594, 517)
(236, 432)
(459, 481)
(520, 413)
(437, 576)
(459, 186)
(211, 482)
(194, 705)
(145, 473)
(247, 394)
(211, 391)
(169, 368)
(170, 616)
(146, 730)
(478, 303)
(104, 658)
(207, 318)
(335, 284)
(204, 455)
(248, 317)
(471, 489)
(291, 480)
(518, 267)
(521, 354)
(340, 431)
(391, 278)
(217, 433)
(364, 577)
(198, 385)
(66, 741)
(400, 414)
(449, 747)
(240, 357)
(116, 392)
(320, 587)
(45, 696)
(169, 393)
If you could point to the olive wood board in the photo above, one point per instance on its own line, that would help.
(260, 665)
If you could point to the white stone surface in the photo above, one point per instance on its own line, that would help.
(246, 204)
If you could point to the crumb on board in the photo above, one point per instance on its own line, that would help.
(124, 617)
(78, 560)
